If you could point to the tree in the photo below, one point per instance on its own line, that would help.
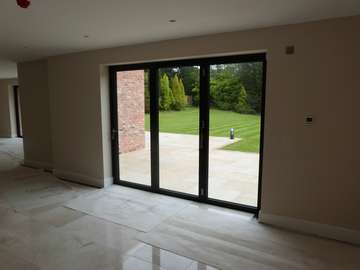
(170, 72)
(195, 93)
(228, 93)
(242, 105)
(166, 98)
(190, 77)
(251, 76)
(178, 93)
(182, 91)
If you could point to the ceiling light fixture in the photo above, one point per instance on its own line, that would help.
(23, 3)
(86, 36)
(172, 21)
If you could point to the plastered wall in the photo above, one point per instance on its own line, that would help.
(7, 108)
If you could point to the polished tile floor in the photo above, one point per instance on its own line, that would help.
(46, 223)
(38, 232)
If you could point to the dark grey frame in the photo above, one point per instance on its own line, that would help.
(204, 64)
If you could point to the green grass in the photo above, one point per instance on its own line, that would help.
(247, 127)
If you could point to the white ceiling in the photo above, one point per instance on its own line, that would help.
(51, 27)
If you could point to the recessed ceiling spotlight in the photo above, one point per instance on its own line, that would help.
(172, 21)
(86, 36)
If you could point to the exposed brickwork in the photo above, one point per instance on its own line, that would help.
(131, 110)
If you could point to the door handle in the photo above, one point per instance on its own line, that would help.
(202, 129)
(114, 133)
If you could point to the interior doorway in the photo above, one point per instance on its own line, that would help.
(18, 112)
(191, 128)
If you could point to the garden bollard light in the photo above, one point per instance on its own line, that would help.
(232, 135)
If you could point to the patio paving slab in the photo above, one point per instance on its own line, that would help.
(233, 175)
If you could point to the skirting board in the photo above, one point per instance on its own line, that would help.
(5, 136)
(38, 165)
(313, 228)
(83, 179)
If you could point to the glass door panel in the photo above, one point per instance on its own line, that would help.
(179, 129)
(133, 126)
(234, 132)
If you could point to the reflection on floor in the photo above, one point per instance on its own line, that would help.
(129, 207)
(38, 230)
(233, 175)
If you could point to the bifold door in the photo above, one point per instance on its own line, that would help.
(191, 128)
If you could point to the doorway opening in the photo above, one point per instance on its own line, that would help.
(18, 112)
(191, 128)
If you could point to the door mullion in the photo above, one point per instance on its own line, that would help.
(204, 131)
(154, 127)
(114, 125)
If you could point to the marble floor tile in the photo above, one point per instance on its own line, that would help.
(128, 193)
(242, 229)
(58, 216)
(38, 191)
(225, 240)
(132, 263)
(8, 161)
(200, 266)
(162, 202)
(88, 256)
(14, 225)
(18, 173)
(10, 261)
(104, 233)
(35, 211)
(186, 243)
(161, 257)
(142, 213)
(49, 248)
(79, 245)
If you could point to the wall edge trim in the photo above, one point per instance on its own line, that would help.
(6, 136)
(83, 179)
(38, 164)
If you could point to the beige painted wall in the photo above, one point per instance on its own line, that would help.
(35, 105)
(7, 108)
(310, 172)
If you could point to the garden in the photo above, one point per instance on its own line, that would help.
(235, 102)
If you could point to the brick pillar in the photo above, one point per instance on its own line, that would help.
(131, 110)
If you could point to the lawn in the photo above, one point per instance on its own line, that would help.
(247, 127)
